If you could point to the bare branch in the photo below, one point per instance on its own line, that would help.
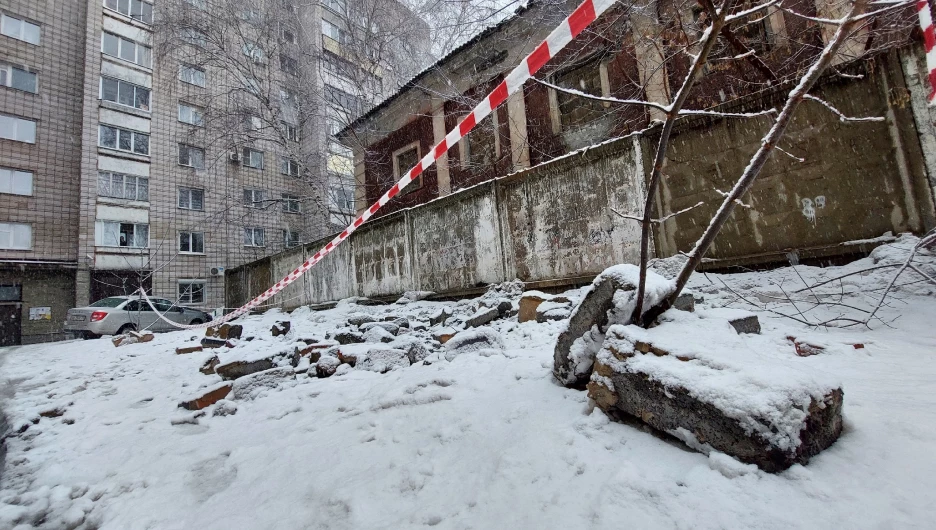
(842, 117)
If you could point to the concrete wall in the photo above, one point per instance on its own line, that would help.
(553, 224)
(51, 287)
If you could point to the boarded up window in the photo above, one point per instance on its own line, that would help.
(575, 111)
(481, 146)
(403, 161)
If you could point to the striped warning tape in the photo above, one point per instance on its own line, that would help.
(929, 40)
(584, 14)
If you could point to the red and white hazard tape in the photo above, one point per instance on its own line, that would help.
(929, 40)
(584, 14)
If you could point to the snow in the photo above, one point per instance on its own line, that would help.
(475, 442)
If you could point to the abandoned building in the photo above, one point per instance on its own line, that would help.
(535, 192)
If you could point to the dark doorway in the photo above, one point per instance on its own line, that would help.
(118, 283)
(10, 310)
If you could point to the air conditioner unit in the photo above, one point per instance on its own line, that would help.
(217, 271)
(234, 157)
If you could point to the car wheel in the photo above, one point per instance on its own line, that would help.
(125, 328)
(87, 335)
(196, 322)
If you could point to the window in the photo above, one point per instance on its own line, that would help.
(15, 236)
(289, 65)
(191, 199)
(121, 186)
(334, 32)
(289, 167)
(19, 79)
(127, 50)
(13, 293)
(252, 123)
(191, 156)
(253, 158)
(18, 129)
(337, 65)
(253, 237)
(290, 238)
(250, 15)
(123, 140)
(253, 198)
(16, 181)
(191, 114)
(192, 75)
(343, 101)
(403, 161)
(197, 4)
(192, 291)
(19, 29)
(124, 93)
(343, 198)
(291, 203)
(117, 234)
(289, 36)
(192, 242)
(338, 6)
(135, 9)
(291, 132)
(576, 111)
(255, 52)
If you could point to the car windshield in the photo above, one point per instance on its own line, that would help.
(108, 302)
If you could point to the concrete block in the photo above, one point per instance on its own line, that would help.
(389, 327)
(326, 366)
(528, 304)
(482, 316)
(209, 397)
(236, 369)
(189, 349)
(281, 328)
(748, 324)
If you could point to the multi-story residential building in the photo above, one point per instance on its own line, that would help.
(119, 162)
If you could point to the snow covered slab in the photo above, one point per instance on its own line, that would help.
(693, 377)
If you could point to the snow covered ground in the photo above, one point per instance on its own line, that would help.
(475, 442)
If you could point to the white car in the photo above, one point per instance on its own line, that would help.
(119, 314)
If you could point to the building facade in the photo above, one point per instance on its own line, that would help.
(130, 155)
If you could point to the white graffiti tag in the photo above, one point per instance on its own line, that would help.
(810, 206)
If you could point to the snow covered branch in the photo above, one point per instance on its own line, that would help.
(837, 112)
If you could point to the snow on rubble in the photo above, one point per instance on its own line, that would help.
(476, 432)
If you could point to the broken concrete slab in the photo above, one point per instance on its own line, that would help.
(529, 301)
(209, 367)
(746, 325)
(215, 343)
(131, 337)
(358, 319)
(482, 341)
(378, 334)
(236, 369)
(281, 328)
(225, 407)
(389, 327)
(443, 335)
(188, 349)
(326, 366)
(685, 302)
(225, 331)
(208, 397)
(551, 310)
(346, 336)
(482, 316)
(251, 386)
(383, 360)
(439, 317)
(755, 408)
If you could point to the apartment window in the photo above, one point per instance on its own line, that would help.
(343, 101)
(18, 129)
(334, 32)
(289, 65)
(252, 50)
(124, 93)
(13, 77)
(127, 50)
(191, 199)
(343, 198)
(194, 37)
(123, 140)
(289, 36)
(289, 167)
(251, 16)
(117, 234)
(339, 6)
(15, 236)
(291, 132)
(19, 29)
(121, 186)
(192, 75)
(290, 238)
(253, 198)
(197, 4)
(135, 9)
(192, 242)
(403, 160)
(291, 203)
(252, 123)
(192, 291)
(16, 181)
(253, 158)
(191, 156)
(253, 237)
(191, 114)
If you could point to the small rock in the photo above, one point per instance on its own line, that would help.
(377, 334)
(444, 335)
(414, 348)
(326, 366)
(281, 328)
(483, 341)
(225, 407)
(224, 331)
(482, 317)
(236, 369)
(748, 324)
(383, 360)
(314, 351)
(209, 367)
(190, 349)
(131, 338)
(358, 319)
(390, 327)
(439, 317)
(215, 343)
(210, 397)
(685, 302)
(346, 336)
(251, 386)
(805, 349)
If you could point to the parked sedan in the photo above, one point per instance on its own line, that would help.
(119, 314)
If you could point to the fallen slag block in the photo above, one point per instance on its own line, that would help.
(760, 409)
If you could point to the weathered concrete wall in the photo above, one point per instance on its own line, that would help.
(282, 264)
(53, 288)
(554, 223)
(456, 241)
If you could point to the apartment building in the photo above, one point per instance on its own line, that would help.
(127, 159)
